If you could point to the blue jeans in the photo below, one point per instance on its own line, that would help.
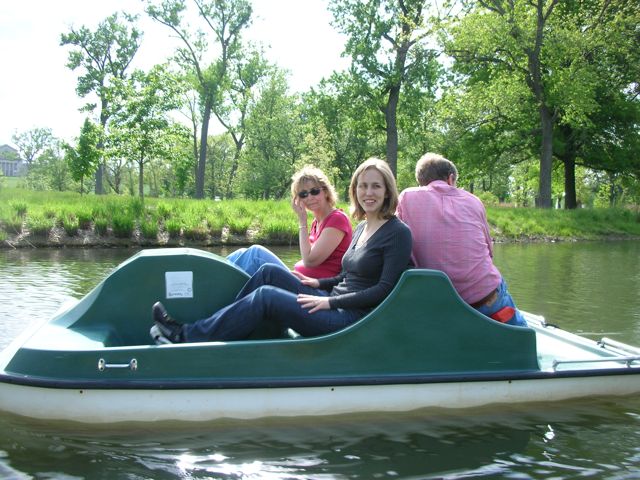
(504, 299)
(252, 258)
(269, 296)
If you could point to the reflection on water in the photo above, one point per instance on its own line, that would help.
(566, 441)
(592, 288)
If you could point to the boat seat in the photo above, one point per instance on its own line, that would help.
(191, 283)
(68, 339)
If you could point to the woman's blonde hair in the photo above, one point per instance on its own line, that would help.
(388, 209)
(309, 173)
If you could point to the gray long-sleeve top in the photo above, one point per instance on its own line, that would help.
(371, 271)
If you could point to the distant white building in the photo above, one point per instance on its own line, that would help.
(11, 165)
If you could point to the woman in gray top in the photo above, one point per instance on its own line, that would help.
(379, 252)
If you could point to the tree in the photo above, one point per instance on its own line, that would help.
(222, 165)
(85, 157)
(489, 126)
(226, 19)
(141, 125)
(32, 143)
(50, 170)
(337, 107)
(508, 38)
(555, 53)
(274, 141)
(103, 55)
(386, 41)
(607, 137)
(246, 72)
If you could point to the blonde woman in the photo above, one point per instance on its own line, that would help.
(323, 244)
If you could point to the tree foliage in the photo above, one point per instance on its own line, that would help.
(275, 141)
(536, 101)
(549, 59)
(141, 127)
(225, 19)
(83, 159)
(387, 45)
(32, 143)
(103, 56)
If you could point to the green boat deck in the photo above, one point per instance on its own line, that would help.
(422, 328)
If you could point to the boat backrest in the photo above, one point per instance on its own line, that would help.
(422, 328)
(432, 329)
(190, 283)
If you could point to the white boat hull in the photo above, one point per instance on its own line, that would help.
(128, 405)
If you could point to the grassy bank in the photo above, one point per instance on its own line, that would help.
(29, 218)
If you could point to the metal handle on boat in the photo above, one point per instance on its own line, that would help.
(103, 365)
(607, 342)
(627, 360)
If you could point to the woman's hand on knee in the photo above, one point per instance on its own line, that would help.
(313, 303)
(308, 281)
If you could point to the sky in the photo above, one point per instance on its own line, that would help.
(37, 90)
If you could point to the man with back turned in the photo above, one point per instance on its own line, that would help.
(451, 234)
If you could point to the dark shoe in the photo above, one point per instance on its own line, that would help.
(165, 329)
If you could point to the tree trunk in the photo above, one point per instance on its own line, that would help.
(239, 143)
(99, 175)
(392, 128)
(99, 188)
(202, 159)
(546, 156)
(570, 198)
(141, 178)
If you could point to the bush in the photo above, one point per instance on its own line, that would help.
(135, 207)
(20, 208)
(215, 223)
(174, 228)
(488, 198)
(239, 225)
(40, 225)
(149, 230)
(197, 232)
(122, 226)
(70, 224)
(164, 210)
(278, 230)
(84, 219)
(13, 224)
(101, 226)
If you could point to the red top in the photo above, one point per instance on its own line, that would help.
(333, 264)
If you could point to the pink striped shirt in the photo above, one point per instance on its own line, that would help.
(451, 234)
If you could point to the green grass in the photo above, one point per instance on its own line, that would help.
(40, 225)
(267, 222)
(582, 224)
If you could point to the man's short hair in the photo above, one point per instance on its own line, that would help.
(433, 166)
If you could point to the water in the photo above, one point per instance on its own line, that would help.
(589, 288)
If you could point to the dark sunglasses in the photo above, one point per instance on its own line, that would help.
(305, 193)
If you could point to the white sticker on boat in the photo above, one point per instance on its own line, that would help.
(179, 284)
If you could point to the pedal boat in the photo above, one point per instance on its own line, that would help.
(423, 347)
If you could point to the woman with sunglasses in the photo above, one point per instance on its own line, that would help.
(321, 246)
(378, 254)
